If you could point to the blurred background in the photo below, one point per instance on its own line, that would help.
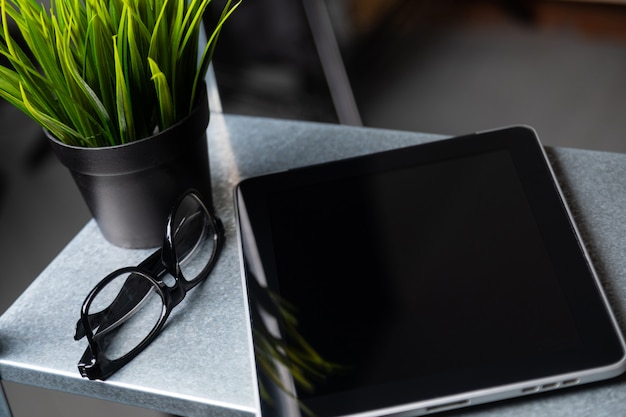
(436, 66)
(440, 66)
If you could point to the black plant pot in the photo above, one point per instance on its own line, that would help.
(130, 188)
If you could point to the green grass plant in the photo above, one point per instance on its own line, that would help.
(99, 73)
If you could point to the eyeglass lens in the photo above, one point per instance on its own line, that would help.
(117, 336)
(193, 238)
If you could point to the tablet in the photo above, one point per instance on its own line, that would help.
(420, 280)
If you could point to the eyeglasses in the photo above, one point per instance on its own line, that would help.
(129, 307)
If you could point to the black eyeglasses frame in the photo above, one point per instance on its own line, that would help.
(94, 364)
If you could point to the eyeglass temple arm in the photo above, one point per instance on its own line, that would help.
(122, 305)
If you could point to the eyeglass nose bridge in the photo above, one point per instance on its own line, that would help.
(177, 292)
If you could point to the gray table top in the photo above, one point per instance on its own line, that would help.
(201, 364)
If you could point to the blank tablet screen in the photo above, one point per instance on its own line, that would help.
(452, 270)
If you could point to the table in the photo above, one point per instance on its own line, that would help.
(201, 364)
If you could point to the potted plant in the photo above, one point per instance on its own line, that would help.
(118, 86)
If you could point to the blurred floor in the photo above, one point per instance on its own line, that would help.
(434, 67)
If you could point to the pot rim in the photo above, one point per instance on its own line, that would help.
(201, 107)
(140, 154)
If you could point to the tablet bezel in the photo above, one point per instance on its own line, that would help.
(601, 359)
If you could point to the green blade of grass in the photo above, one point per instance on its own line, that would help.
(138, 72)
(59, 130)
(167, 114)
(209, 49)
(100, 50)
(85, 95)
(124, 107)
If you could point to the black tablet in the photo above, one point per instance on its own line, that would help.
(419, 280)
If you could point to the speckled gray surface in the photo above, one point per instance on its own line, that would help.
(201, 363)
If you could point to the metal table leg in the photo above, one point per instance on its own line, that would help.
(332, 62)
